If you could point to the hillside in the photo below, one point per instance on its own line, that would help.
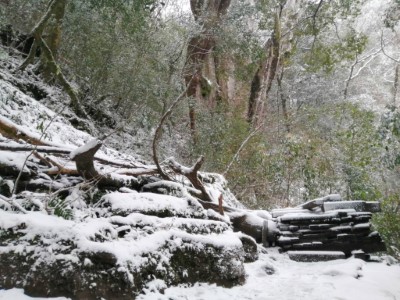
(128, 233)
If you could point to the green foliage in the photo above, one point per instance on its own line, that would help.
(59, 207)
(359, 145)
(219, 138)
(16, 13)
(332, 148)
(392, 15)
(326, 56)
(388, 223)
(390, 135)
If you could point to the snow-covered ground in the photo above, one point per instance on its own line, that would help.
(275, 276)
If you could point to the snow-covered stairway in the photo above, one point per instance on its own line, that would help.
(327, 224)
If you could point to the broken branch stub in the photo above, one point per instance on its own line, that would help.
(83, 157)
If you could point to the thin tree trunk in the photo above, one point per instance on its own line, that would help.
(53, 37)
(283, 101)
(396, 84)
(56, 9)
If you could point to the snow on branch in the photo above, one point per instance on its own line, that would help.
(191, 174)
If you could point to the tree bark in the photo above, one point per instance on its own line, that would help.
(284, 101)
(56, 10)
(262, 80)
(208, 14)
(53, 37)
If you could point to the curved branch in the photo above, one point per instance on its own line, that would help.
(192, 175)
(384, 52)
(157, 134)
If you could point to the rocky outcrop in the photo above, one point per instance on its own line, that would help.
(116, 252)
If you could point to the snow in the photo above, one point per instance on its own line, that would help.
(129, 250)
(146, 202)
(347, 279)
(86, 147)
(275, 276)
(18, 294)
(317, 253)
(33, 118)
(13, 159)
(166, 223)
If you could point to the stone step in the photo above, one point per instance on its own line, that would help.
(314, 256)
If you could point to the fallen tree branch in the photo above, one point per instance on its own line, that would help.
(54, 167)
(27, 147)
(137, 172)
(9, 130)
(84, 156)
(46, 148)
(12, 202)
(191, 174)
(60, 169)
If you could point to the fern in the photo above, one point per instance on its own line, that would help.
(59, 207)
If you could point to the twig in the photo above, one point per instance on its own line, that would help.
(369, 58)
(384, 52)
(12, 202)
(33, 150)
(241, 147)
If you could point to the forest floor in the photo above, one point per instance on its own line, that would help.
(275, 276)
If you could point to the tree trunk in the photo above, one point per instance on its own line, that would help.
(53, 37)
(396, 85)
(283, 99)
(262, 80)
(208, 14)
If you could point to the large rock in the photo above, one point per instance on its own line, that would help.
(115, 257)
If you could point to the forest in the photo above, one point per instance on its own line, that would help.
(247, 107)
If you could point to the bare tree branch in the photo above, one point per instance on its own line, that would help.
(158, 132)
(192, 175)
(234, 158)
(384, 52)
